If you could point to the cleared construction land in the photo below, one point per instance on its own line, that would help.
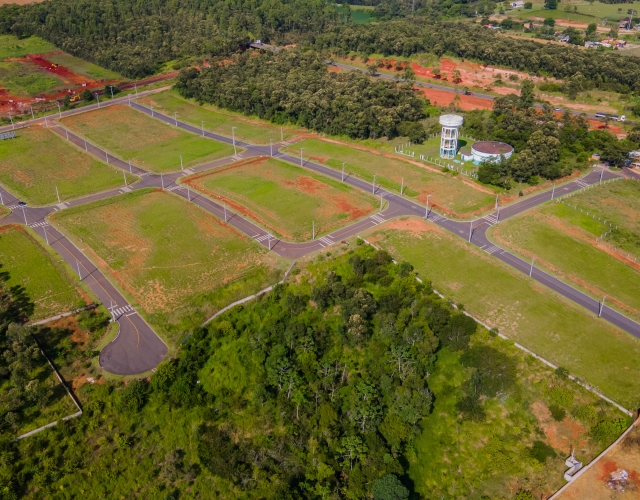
(179, 263)
(530, 314)
(283, 197)
(215, 120)
(149, 143)
(38, 160)
(37, 276)
(451, 195)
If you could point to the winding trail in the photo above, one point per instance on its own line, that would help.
(138, 349)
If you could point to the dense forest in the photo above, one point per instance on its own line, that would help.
(297, 88)
(134, 37)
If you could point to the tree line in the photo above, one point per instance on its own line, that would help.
(297, 88)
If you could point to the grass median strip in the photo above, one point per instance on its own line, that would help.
(520, 308)
(452, 195)
(150, 143)
(38, 161)
(285, 198)
(179, 263)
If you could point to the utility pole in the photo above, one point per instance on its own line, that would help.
(125, 178)
(181, 163)
(271, 146)
(12, 125)
(601, 174)
(233, 138)
(531, 270)
(85, 143)
(57, 194)
(470, 230)
(313, 230)
(600, 309)
(342, 171)
(79, 273)
(111, 87)
(66, 133)
(373, 185)
(98, 97)
(202, 129)
(32, 116)
(301, 156)
(426, 213)
(269, 238)
(24, 215)
(46, 124)
(162, 180)
(175, 117)
(402, 186)
(135, 87)
(130, 171)
(59, 112)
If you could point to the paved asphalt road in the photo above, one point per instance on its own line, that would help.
(137, 348)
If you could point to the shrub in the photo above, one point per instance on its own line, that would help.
(558, 413)
(608, 430)
(587, 414)
(561, 396)
(541, 451)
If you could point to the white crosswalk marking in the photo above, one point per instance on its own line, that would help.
(581, 183)
(435, 217)
(13, 207)
(174, 187)
(188, 171)
(325, 241)
(142, 174)
(491, 219)
(236, 157)
(263, 237)
(492, 249)
(119, 311)
(39, 224)
(377, 219)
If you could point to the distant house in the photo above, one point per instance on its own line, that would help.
(517, 5)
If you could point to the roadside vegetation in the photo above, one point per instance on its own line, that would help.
(38, 161)
(285, 198)
(149, 143)
(177, 262)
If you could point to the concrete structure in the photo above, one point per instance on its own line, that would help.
(574, 466)
(490, 151)
(449, 136)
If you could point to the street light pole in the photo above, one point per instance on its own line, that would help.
(342, 171)
(426, 212)
(202, 129)
(313, 230)
(531, 270)
(98, 97)
(373, 185)
(553, 191)
(32, 116)
(78, 266)
(233, 138)
(601, 174)
(130, 171)
(470, 230)
(46, 237)
(111, 87)
(135, 87)
(402, 186)
(125, 178)
(301, 156)
(601, 307)
(57, 194)
(24, 215)
(175, 117)
(12, 125)
(162, 181)
(181, 163)
(271, 146)
(59, 112)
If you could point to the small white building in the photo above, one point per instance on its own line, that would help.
(517, 5)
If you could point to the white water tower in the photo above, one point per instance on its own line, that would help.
(449, 137)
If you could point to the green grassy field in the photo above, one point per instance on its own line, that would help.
(179, 263)
(12, 46)
(530, 314)
(24, 79)
(149, 143)
(44, 281)
(450, 194)
(221, 122)
(38, 160)
(587, 12)
(572, 255)
(285, 198)
(85, 68)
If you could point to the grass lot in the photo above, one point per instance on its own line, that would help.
(588, 13)
(496, 455)
(12, 46)
(285, 198)
(452, 195)
(38, 160)
(25, 79)
(43, 279)
(251, 130)
(149, 143)
(618, 203)
(86, 68)
(177, 262)
(523, 310)
(572, 254)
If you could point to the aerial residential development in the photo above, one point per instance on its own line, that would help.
(384, 250)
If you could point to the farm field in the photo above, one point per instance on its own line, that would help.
(251, 130)
(283, 197)
(37, 276)
(573, 254)
(520, 308)
(587, 12)
(38, 160)
(179, 263)
(149, 143)
(520, 445)
(81, 67)
(453, 196)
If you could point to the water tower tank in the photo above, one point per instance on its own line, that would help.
(449, 137)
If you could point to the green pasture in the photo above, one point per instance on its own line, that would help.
(222, 122)
(149, 143)
(12, 46)
(574, 259)
(179, 263)
(25, 79)
(36, 276)
(81, 67)
(287, 198)
(38, 160)
(524, 310)
(449, 193)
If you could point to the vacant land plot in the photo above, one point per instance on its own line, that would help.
(38, 160)
(81, 67)
(616, 203)
(451, 195)
(12, 46)
(179, 263)
(149, 143)
(221, 122)
(547, 324)
(573, 254)
(26, 79)
(39, 278)
(520, 445)
(285, 198)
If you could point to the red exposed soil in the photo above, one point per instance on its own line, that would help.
(613, 129)
(412, 225)
(466, 102)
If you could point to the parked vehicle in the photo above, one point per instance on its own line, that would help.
(600, 115)
(623, 118)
